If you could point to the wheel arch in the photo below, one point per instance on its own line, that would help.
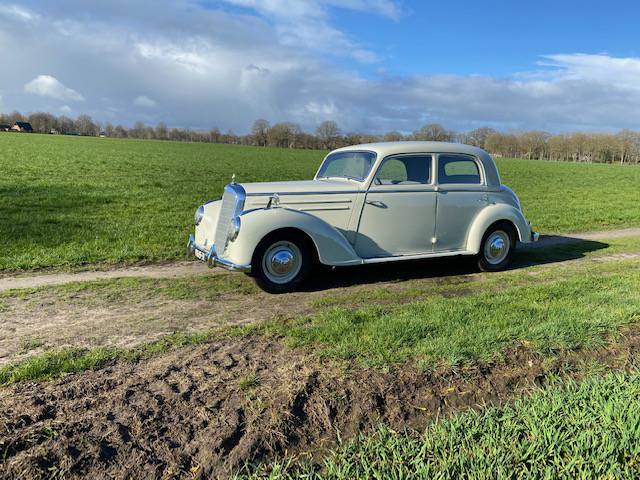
(491, 215)
(331, 247)
(289, 231)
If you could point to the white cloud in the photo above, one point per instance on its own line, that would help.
(145, 102)
(306, 23)
(386, 8)
(209, 67)
(18, 12)
(66, 109)
(48, 86)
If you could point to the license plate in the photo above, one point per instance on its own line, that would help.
(201, 255)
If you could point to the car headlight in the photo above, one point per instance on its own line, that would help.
(199, 215)
(235, 228)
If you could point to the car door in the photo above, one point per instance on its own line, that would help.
(399, 212)
(462, 193)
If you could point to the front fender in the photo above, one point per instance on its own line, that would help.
(492, 214)
(332, 247)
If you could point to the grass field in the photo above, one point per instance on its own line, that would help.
(68, 201)
(562, 313)
(587, 430)
(443, 323)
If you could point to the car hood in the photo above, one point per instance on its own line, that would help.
(302, 187)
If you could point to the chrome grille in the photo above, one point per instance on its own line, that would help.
(232, 206)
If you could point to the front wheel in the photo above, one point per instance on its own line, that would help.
(496, 249)
(281, 262)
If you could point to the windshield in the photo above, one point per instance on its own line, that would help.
(352, 165)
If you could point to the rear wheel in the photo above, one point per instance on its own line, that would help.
(281, 262)
(496, 249)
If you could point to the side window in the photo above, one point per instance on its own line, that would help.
(458, 169)
(405, 170)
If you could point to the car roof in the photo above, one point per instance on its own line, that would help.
(389, 148)
(384, 149)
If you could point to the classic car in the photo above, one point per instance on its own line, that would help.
(379, 202)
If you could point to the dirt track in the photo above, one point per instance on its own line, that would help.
(187, 414)
(180, 269)
(200, 412)
(46, 319)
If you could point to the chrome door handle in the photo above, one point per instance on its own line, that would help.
(376, 203)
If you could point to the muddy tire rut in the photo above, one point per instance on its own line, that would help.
(192, 413)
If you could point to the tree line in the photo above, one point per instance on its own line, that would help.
(622, 147)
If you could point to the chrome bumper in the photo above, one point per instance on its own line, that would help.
(212, 259)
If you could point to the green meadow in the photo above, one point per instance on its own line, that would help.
(72, 201)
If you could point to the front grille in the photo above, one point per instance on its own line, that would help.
(232, 206)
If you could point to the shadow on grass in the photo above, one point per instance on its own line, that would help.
(47, 216)
(551, 249)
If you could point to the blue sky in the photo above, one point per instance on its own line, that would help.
(495, 37)
(371, 65)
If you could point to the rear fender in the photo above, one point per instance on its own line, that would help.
(489, 216)
(332, 247)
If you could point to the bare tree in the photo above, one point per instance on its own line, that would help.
(477, 137)
(84, 126)
(162, 133)
(283, 135)
(392, 136)
(42, 122)
(214, 135)
(433, 132)
(109, 130)
(328, 133)
(259, 131)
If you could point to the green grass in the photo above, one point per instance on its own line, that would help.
(568, 197)
(56, 363)
(581, 430)
(72, 201)
(548, 309)
(249, 382)
(551, 313)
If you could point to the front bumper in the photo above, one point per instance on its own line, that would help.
(210, 256)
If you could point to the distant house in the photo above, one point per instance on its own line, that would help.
(24, 127)
(4, 127)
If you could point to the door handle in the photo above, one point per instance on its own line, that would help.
(376, 203)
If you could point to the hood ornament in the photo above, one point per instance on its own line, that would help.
(233, 179)
(274, 201)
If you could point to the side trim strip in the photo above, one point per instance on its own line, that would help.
(312, 202)
(344, 192)
(317, 209)
(408, 190)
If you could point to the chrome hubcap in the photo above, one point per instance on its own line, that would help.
(282, 262)
(497, 246)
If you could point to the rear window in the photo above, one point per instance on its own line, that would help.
(458, 169)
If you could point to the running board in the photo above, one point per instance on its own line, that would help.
(417, 257)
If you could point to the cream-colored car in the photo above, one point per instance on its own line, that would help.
(379, 202)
